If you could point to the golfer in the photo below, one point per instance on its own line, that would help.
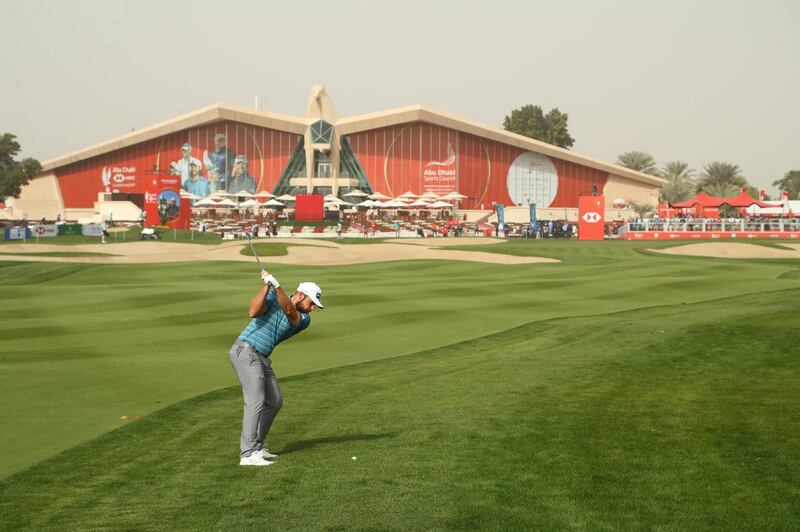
(275, 317)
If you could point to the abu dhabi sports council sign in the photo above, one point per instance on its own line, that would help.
(591, 214)
(441, 176)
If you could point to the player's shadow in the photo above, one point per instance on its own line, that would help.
(313, 442)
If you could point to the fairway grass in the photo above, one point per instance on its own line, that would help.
(676, 417)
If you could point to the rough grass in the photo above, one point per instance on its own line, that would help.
(679, 417)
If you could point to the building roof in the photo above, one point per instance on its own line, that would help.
(320, 106)
(207, 115)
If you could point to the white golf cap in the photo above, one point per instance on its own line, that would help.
(313, 291)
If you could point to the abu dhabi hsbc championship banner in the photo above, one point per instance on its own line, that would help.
(591, 217)
(163, 204)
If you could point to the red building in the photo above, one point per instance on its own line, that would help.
(414, 149)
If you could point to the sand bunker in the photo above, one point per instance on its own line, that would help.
(309, 252)
(731, 250)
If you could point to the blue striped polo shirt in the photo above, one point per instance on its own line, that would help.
(266, 331)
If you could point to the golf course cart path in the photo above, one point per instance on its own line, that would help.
(308, 252)
(731, 250)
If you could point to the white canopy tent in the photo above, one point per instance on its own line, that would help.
(356, 194)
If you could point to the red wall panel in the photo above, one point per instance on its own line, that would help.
(414, 157)
(126, 170)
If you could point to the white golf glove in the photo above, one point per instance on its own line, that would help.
(270, 280)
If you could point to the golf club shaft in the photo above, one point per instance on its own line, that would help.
(254, 252)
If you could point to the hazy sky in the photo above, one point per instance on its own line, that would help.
(697, 81)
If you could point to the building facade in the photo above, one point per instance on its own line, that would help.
(416, 149)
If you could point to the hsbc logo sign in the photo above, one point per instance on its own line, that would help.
(592, 217)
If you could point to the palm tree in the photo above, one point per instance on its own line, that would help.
(639, 161)
(680, 182)
(722, 190)
(642, 210)
(722, 174)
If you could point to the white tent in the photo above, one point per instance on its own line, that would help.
(430, 195)
(440, 205)
(379, 196)
(408, 194)
(394, 204)
(356, 194)
(189, 195)
(272, 203)
(225, 203)
(250, 203)
(454, 196)
(263, 194)
(330, 197)
(242, 194)
(285, 197)
(366, 203)
(420, 203)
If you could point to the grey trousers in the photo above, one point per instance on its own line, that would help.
(262, 396)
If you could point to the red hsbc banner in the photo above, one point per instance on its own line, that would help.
(162, 202)
(591, 217)
(702, 235)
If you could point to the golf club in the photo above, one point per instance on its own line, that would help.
(254, 251)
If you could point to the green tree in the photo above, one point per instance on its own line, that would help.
(639, 161)
(14, 174)
(530, 121)
(680, 182)
(725, 175)
(790, 183)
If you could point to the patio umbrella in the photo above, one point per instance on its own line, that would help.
(430, 195)
(285, 197)
(189, 195)
(272, 203)
(206, 202)
(355, 194)
(330, 197)
(454, 195)
(224, 203)
(420, 203)
(379, 196)
(408, 194)
(250, 203)
(394, 204)
(440, 205)
(263, 194)
(242, 194)
(366, 203)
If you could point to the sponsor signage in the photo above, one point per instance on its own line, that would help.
(441, 176)
(163, 204)
(118, 178)
(44, 230)
(700, 235)
(69, 229)
(591, 214)
(16, 233)
(92, 230)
